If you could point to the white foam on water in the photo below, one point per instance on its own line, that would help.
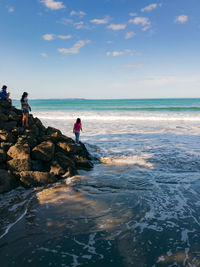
(107, 116)
(140, 160)
(12, 224)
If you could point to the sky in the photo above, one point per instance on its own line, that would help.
(100, 49)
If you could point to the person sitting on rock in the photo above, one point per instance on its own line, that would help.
(25, 109)
(5, 95)
(76, 130)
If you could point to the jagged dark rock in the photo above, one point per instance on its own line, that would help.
(35, 155)
(36, 178)
(7, 181)
(44, 151)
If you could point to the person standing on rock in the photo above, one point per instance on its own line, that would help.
(25, 109)
(5, 95)
(76, 130)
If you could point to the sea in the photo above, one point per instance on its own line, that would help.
(138, 206)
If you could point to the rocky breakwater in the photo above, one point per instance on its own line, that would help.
(35, 155)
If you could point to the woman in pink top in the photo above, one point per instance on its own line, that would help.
(77, 128)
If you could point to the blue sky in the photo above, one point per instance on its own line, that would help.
(100, 49)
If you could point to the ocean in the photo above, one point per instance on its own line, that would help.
(140, 206)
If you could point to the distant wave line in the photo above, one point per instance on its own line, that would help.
(120, 118)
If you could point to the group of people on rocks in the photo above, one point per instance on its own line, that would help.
(4, 95)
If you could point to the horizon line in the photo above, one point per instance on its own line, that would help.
(74, 98)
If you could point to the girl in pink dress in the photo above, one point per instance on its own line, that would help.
(76, 130)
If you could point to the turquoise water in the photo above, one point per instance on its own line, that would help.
(157, 105)
(139, 207)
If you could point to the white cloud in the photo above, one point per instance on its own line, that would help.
(77, 13)
(43, 55)
(129, 35)
(114, 53)
(117, 27)
(181, 19)
(132, 14)
(11, 9)
(120, 53)
(143, 21)
(151, 7)
(53, 5)
(48, 37)
(77, 25)
(80, 25)
(75, 49)
(65, 21)
(134, 65)
(64, 37)
(100, 21)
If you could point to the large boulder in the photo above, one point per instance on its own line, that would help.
(18, 165)
(27, 139)
(13, 116)
(2, 155)
(39, 124)
(6, 136)
(17, 131)
(9, 126)
(36, 178)
(69, 148)
(19, 151)
(3, 117)
(33, 130)
(44, 151)
(83, 163)
(64, 161)
(5, 146)
(19, 156)
(56, 169)
(5, 104)
(7, 181)
(38, 165)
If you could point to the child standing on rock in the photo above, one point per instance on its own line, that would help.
(76, 130)
(25, 109)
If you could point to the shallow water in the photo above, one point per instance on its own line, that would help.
(139, 207)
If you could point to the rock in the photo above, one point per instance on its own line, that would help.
(71, 172)
(6, 136)
(53, 134)
(33, 130)
(64, 161)
(12, 116)
(3, 166)
(83, 163)
(5, 146)
(69, 148)
(19, 151)
(2, 155)
(18, 165)
(20, 155)
(9, 125)
(51, 130)
(27, 139)
(17, 111)
(7, 181)
(3, 117)
(39, 124)
(36, 155)
(18, 131)
(36, 178)
(37, 165)
(44, 151)
(5, 104)
(56, 169)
